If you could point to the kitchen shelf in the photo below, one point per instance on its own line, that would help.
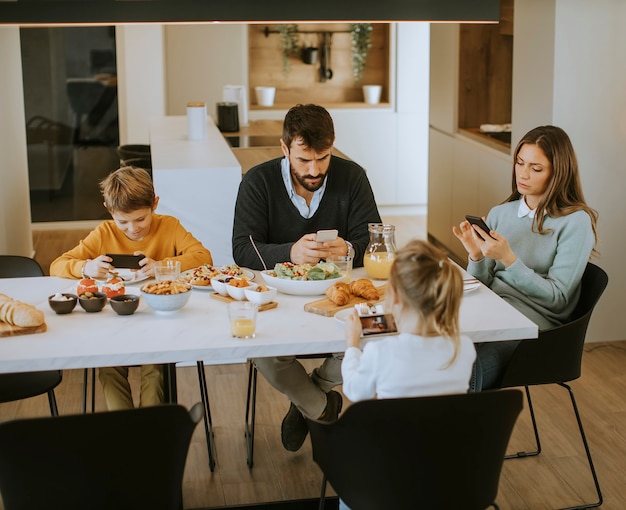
(329, 105)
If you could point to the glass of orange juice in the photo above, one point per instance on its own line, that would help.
(242, 316)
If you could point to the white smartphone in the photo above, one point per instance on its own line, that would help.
(324, 236)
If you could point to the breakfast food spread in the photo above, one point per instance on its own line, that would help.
(238, 282)
(340, 293)
(114, 286)
(320, 271)
(202, 275)
(17, 313)
(166, 287)
(364, 288)
(86, 285)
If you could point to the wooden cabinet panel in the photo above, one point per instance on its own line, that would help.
(302, 84)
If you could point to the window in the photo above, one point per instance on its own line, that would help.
(70, 107)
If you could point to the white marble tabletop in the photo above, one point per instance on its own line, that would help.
(200, 331)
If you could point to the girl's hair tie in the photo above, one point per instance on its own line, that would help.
(440, 263)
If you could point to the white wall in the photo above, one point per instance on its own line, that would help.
(200, 60)
(141, 80)
(15, 229)
(590, 104)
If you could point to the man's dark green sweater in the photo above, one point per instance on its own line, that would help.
(265, 210)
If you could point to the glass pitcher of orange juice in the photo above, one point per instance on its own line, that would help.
(380, 251)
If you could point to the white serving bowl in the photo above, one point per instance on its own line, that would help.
(238, 293)
(219, 284)
(260, 298)
(166, 302)
(299, 287)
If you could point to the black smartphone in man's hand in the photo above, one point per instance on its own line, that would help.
(476, 220)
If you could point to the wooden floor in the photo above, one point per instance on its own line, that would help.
(559, 477)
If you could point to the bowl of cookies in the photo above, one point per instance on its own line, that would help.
(166, 296)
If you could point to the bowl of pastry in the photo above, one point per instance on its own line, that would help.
(303, 279)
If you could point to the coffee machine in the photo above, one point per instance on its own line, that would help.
(237, 94)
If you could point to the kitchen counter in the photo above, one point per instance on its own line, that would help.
(197, 182)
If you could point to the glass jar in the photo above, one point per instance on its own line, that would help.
(381, 250)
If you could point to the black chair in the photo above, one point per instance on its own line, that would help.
(555, 358)
(439, 452)
(114, 460)
(251, 404)
(170, 386)
(19, 386)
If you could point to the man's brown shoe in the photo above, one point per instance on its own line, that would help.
(294, 429)
(334, 402)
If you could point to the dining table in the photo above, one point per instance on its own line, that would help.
(200, 331)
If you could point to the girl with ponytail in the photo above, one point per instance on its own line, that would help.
(429, 356)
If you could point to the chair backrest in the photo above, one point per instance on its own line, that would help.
(426, 452)
(556, 356)
(111, 460)
(16, 266)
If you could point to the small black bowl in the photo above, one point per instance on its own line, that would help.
(62, 306)
(126, 304)
(92, 301)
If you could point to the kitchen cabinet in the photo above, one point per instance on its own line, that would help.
(465, 178)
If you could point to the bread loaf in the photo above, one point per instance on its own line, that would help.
(17, 313)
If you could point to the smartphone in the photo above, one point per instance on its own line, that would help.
(475, 220)
(324, 236)
(375, 325)
(123, 260)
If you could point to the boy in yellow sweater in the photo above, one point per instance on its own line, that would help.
(135, 228)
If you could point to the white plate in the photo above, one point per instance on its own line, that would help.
(342, 315)
(469, 287)
(199, 287)
(247, 273)
(128, 275)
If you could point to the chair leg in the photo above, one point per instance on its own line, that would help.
(93, 389)
(323, 493)
(587, 451)
(208, 424)
(53, 403)
(251, 412)
(520, 455)
(85, 379)
(170, 391)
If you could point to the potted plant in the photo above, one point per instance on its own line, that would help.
(361, 35)
(289, 40)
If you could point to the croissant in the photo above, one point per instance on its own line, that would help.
(339, 293)
(19, 314)
(364, 288)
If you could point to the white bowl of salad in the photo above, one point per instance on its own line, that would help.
(303, 279)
